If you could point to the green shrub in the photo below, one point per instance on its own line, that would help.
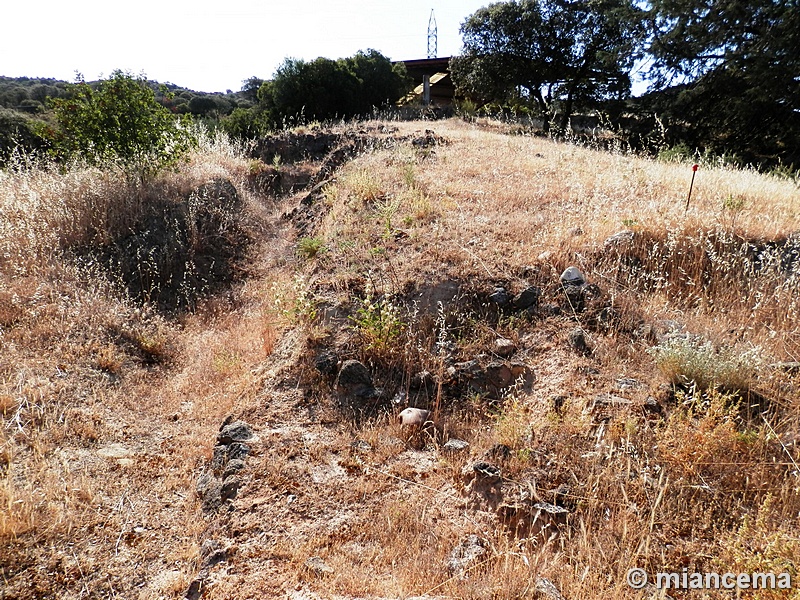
(378, 323)
(309, 247)
(120, 123)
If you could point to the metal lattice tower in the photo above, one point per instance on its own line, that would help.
(433, 44)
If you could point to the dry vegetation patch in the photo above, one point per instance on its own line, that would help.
(644, 417)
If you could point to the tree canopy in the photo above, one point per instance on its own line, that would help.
(325, 88)
(739, 65)
(550, 53)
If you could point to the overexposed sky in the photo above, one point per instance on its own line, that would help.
(214, 46)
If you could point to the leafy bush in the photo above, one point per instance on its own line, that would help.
(378, 322)
(325, 89)
(119, 122)
(18, 131)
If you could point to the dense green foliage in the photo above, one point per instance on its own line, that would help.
(725, 76)
(549, 54)
(326, 89)
(18, 130)
(739, 62)
(119, 122)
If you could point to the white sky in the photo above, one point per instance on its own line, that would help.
(214, 46)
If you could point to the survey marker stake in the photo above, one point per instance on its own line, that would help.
(691, 185)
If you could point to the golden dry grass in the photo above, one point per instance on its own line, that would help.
(109, 412)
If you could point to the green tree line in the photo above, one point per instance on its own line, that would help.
(109, 118)
(724, 75)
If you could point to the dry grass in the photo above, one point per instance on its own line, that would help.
(109, 411)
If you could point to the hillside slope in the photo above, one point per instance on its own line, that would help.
(639, 409)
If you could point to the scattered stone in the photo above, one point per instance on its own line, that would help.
(791, 367)
(195, 589)
(233, 467)
(211, 494)
(117, 452)
(558, 403)
(541, 518)
(551, 309)
(238, 450)
(628, 383)
(504, 347)
(454, 446)
(486, 472)
(219, 458)
(214, 557)
(591, 292)
(606, 400)
(547, 588)
(361, 446)
(327, 363)
(572, 276)
(527, 298)
(470, 367)
(575, 297)
(466, 554)
(522, 373)
(414, 417)
(621, 239)
(204, 483)
(577, 339)
(238, 431)
(498, 374)
(316, 565)
(608, 317)
(230, 487)
(652, 406)
(499, 296)
(354, 379)
(208, 546)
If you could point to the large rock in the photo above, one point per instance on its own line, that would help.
(527, 298)
(621, 239)
(354, 379)
(414, 417)
(238, 431)
(572, 276)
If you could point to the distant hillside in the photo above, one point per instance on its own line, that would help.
(29, 95)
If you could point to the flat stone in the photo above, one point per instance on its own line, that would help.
(454, 446)
(318, 566)
(504, 347)
(621, 239)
